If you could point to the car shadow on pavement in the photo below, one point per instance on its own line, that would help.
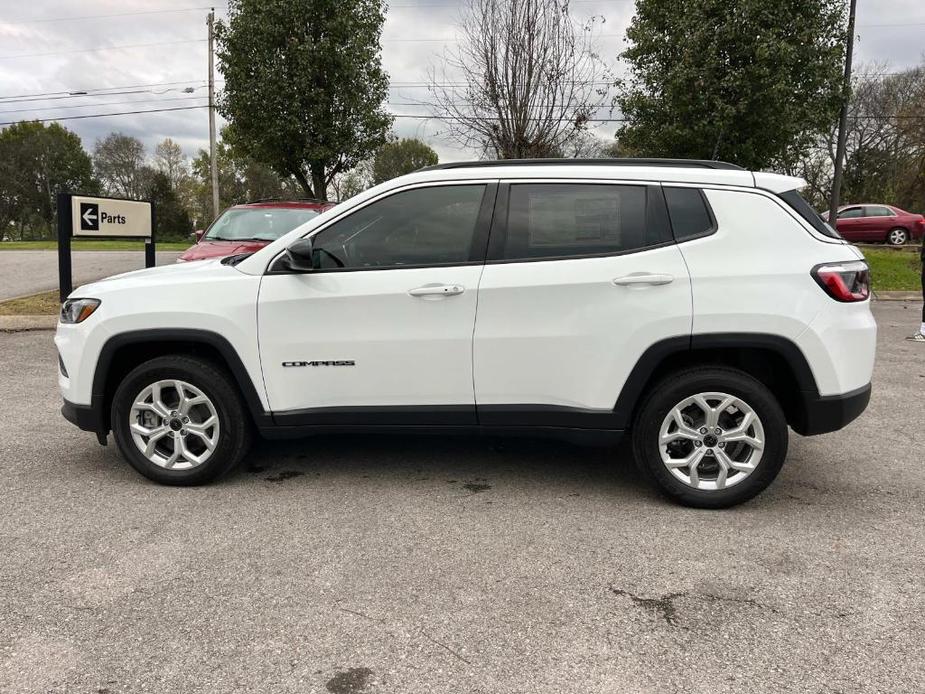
(461, 465)
(476, 463)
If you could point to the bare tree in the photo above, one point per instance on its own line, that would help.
(170, 161)
(118, 161)
(885, 144)
(588, 145)
(531, 79)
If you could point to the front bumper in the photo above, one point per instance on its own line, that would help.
(86, 417)
(824, 414)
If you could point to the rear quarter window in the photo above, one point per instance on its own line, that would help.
(796, 202)
(690, 213)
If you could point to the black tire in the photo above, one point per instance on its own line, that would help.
(905, 236)
(673, 389)
(235, 426)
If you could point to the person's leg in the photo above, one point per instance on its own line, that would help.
(922, 329)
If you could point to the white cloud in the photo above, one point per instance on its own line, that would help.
(413, 39)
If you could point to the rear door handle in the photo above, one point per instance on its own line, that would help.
(643, 278)
(437, 290)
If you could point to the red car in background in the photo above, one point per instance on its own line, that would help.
(878, 224)
(249, 227)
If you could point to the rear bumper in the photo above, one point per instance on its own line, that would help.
(823, 414)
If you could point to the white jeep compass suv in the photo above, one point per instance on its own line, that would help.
(702, 308)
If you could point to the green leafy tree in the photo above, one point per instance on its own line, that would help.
(38, 161)
(171, 220)
(240, 179)
(304, 85)
(232, 189)
(753, 81)
(400, 157)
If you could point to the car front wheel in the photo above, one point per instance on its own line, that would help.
(179, 420)
(710, 437)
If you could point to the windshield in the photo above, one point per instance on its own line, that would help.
(259, 224)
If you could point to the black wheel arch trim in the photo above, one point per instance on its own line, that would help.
(816, 414)
(191, 336)
(653, 357)
(784, 347)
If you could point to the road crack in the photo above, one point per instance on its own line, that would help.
(664, 606)
(443, 646)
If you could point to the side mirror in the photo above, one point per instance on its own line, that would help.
(300, 256)
(198, 234)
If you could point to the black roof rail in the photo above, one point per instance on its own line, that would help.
(292, 199)
(621, 161)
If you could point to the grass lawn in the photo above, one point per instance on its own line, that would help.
(890, 270)
(894, 270)
(93, 245)
(35, 305)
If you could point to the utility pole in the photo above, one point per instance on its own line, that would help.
(843, 121)
(212, 153)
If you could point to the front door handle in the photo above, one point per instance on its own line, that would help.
(643, 278)
(437, 290)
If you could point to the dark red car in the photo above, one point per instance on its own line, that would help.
(249, 227)
(879, 224)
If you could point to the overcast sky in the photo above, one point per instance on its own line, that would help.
(51, 47)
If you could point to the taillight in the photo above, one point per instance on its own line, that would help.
(844, 281)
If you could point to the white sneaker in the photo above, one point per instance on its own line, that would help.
(918, 337)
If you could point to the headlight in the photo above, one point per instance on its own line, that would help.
(78, 310)
(182, 260)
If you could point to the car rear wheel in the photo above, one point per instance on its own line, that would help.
(897, 237)
(179, 420)
(710, 437)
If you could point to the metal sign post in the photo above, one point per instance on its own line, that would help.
(100, 218)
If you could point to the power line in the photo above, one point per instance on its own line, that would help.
(452, 3)
(903, 24)
(456, 40)
(73, 93)
(188, 89)
(105, 115)
(105, 103)
(464, 84)
(395, 115)
(222, 8)
(426, 5)
(454, 118)
(100, 48)
(103, 16)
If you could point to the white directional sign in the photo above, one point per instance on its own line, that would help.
(110, 217)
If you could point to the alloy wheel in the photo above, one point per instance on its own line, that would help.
(711, 441)
(898, 237)
(174, 424)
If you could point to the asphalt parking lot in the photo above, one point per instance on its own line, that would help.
(380, 564)
(30, 272)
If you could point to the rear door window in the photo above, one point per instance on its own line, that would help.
(567, 220)
(851, 213)
(878, 211)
